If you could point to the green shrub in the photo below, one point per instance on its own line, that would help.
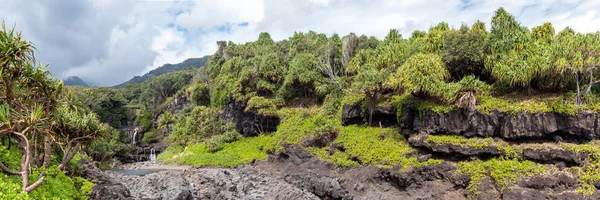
(170, 153)
(84, 186)
(502, 170)
(151, 136)
(144, 118)
(200, 124)
(199, 94)
(262, 106)
(243, 151)
(217, 142)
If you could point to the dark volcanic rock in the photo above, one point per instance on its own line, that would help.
(248, 123)
(521, 125)
(444, 172)
(322, 140)
(112, 191)
(554, 155)
(558, 181)
(105, 188)
(527, 193)
(242, 183)
(448, 148)
(178, 103)
(353, 114)
(386, 114)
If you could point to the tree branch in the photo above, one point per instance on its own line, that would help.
(37, 183)
(8, 170)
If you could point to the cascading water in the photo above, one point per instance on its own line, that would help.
(152, 155)
(135, 131)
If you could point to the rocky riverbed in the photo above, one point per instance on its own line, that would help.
(287, 176)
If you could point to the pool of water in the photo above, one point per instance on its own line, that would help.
(135, 172)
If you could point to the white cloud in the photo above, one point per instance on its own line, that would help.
(108, 42)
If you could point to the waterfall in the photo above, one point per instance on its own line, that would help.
(152, 155)
(135, 131)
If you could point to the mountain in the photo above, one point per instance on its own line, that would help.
(74, 80)
(195, 62)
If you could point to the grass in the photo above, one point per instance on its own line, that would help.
(362, 145)
(243, 151)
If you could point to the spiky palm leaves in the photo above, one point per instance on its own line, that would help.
(28, 101)
(73, 127)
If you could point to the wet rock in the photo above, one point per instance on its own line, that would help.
(248, 123)
(184, 195)
(322, 186)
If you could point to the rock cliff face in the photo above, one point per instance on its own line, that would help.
(521, 125)
(355, 114)
(248, 123)
(464, 134)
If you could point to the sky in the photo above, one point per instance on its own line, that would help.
(107, 42)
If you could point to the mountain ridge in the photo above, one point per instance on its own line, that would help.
(166, 68)
(75, 81)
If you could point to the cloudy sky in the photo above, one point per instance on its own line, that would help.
(107, 42)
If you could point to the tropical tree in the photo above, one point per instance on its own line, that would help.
(27, 98)
(580, 55)
(423, 75)
(165, 121)
(464, 51)
(515, 58)
(373, 68)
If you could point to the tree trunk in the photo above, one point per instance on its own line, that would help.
(69, 154)
(578, 95)
(372, 105)
(25, 162)
(47, 151)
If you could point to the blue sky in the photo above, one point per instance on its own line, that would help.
(108, 42)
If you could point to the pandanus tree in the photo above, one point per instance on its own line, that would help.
(73, 127)
(580, 55)
(29, 102)
(373, 68)
(27, 99)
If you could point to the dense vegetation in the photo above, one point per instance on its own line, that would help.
(305, 81)
(43, 127)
